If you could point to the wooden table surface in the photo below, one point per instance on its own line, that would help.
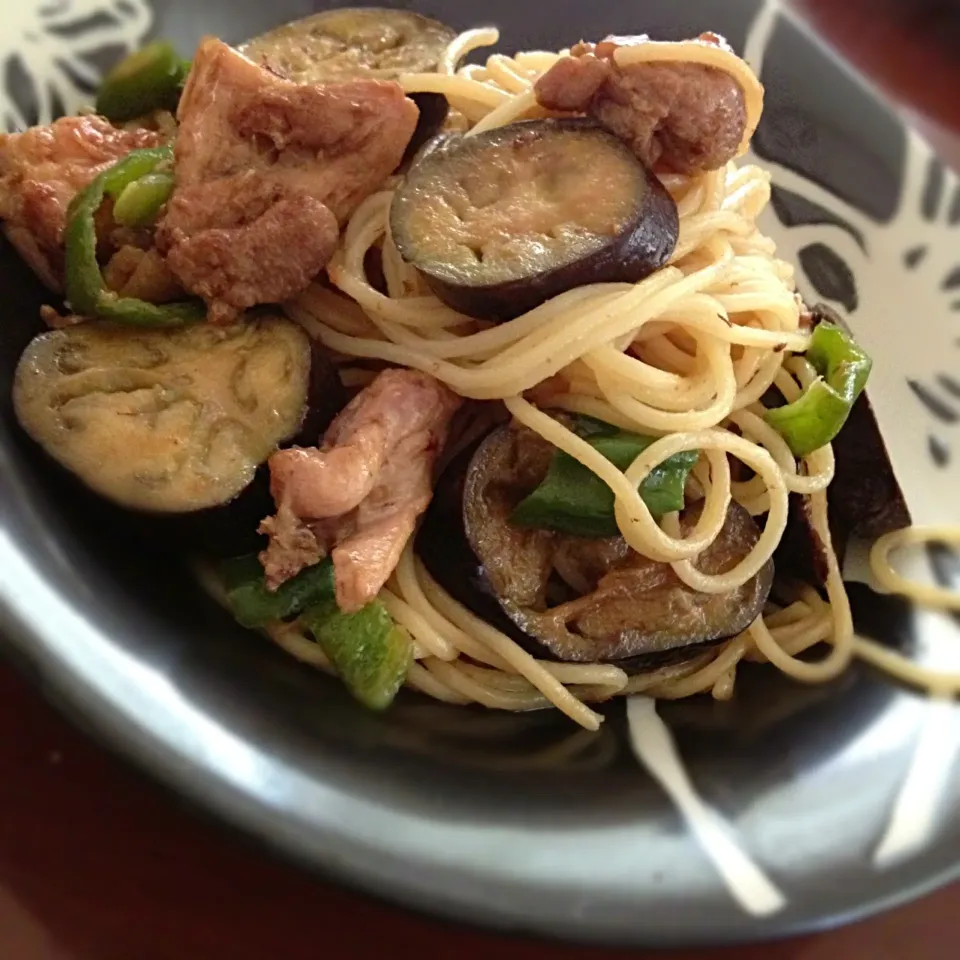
(97, 863)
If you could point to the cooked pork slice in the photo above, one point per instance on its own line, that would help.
(267, 171)
(684, 117)
(358, 497)
(43, 168)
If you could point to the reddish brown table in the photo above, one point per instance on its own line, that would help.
(98, 864)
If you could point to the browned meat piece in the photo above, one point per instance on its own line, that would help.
(358, 497)
(293, 546)
(268, 242)
(266, 171)
(42, 169)
(685, 117)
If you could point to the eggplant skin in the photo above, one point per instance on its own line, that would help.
(176, 426)
(637, 241)
(630, 611)
(434, 109)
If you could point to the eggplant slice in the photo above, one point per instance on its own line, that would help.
(500, 222)
(166, 421)
(577, 599)
(356, 42)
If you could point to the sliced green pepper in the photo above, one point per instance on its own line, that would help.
(148, 79)
(141, 201)
(254, 605)
(818, 415)
(370, 653)
(86, 290)
(573, 499)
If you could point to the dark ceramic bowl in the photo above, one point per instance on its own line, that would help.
(524, 822)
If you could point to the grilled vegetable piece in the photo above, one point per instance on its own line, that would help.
(140, 202)
(818, 415)
(86, 289)
(253, 604)
(580, 599)
(166, 421)
(864, 500)
(370, 652)
(340, 45)
(572, 499)
(500, 222)
(148, 79)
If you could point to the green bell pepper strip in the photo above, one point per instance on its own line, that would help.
(573, 499)
(140, 203)
(818, 415)
(148, 79)
(86, 290)
(254, 605)
(371, 653)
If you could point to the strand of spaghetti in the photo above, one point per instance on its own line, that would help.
(509, 111)
(365, 227)
(690, 200)
(718, 360)
(705, 313)
(745, 368)
(607, 681)
(496, 378)
(591, 407)
(937, 683)
(633, 517)
(695, 230)
(749, 198)
(715, 190)
(760, 383)
(648, 384)
(661, 350)
(292, 639)
(538, 61)
(714, 442)
(758, 557)
(426, 312)
(503, 72)
(464, 44)
(542, 679)
(707, 676)
(456, 89)
(794, 613)
(761, 553)
(723, 688)
(422, 680)
(407, 616)
(842, 640)
(796, 638)
(487, 696)
(406, 576)
(938, 598)
(642, 682)
(402, 280)
(820, 464)
(408, 571)
(519, 335)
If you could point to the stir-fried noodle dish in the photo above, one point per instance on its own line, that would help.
(474, 377)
